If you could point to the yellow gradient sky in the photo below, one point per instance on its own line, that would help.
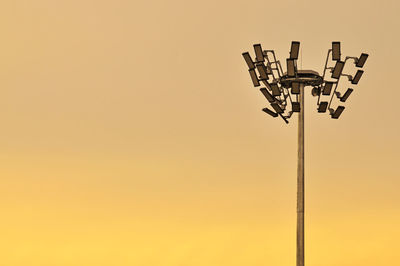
(131, 135)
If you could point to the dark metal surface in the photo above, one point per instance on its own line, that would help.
(306, 77)
(300, 184)
(322, 107)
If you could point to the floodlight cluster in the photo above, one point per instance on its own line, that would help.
(282, 89)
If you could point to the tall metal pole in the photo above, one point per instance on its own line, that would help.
(300, 183)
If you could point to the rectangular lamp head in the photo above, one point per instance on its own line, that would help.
(322, 107)
(337, 112)
(337, 70)
(346, 95)
(295, 87)
(296, 107)
(275, 89)
(361, 60)
(259, 53)
(327, 88)
(271, 113)
(357, 77)
(277, 108)
(291, 71)
(248, 60)
(254, 78)
(263, 71)
(294, 50)
(267, 95)
(336, 51)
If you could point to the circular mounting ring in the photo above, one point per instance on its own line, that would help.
(307, 77)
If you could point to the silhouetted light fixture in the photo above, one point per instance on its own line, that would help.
(346, 95)
(357, 77)
(336, 51)
(361, 61)
(271, 113)
(295, 87)
(259, 53)
(294, 50)
(267, 95)
(275, 89)
(296, 107)
(327, 88)
(277, 108)
(248, 60)
(254, 78)
(337, 70)
(291, 71)
(263, 71)
(322, 107)
(337, 112)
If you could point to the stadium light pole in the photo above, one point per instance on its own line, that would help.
(285, 93)
(300, 182)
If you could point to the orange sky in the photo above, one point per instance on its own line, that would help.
(131, 135)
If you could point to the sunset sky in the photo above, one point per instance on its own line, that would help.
(131, 135)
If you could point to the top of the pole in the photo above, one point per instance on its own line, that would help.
(282, 89)
(306, 77)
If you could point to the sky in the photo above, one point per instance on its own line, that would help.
(132, 135)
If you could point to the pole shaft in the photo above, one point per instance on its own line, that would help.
(300, 183)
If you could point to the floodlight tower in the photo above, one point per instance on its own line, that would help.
(285, 93)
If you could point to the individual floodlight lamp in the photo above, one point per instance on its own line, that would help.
(327, 88)
(248, 60)
(254, 78)
(294, 50)
(336, 51)
(337, 112)
(263, 71)
(271, 113)
(346, 95)
(267, 95)
(296, 107)
(295, 87)
(361, 60)
(277, 108)
(259, 53)
(291, 69)
(286, 93)
(357, 77)
(275, 89)
(337, 70)
(322, 107)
